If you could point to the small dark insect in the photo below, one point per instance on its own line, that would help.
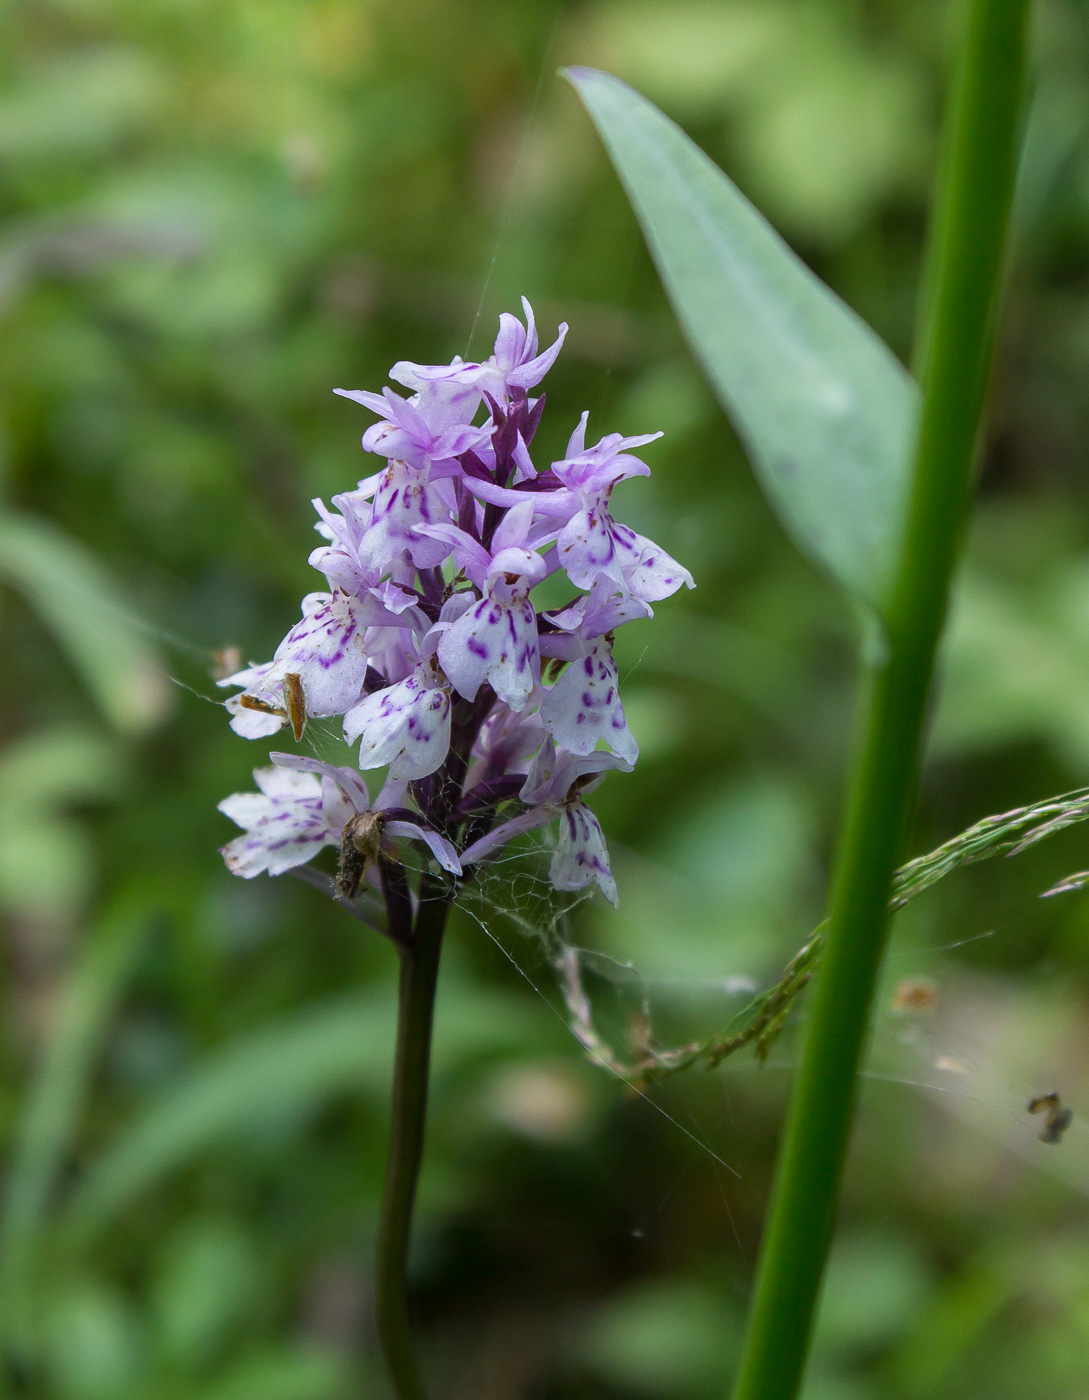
(250, 702)
(225, 662)
(1058, 1118)
(360, 848)
(295, 703)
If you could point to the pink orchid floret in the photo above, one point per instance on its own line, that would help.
(303, 805)
(491, 716)
(514, 365)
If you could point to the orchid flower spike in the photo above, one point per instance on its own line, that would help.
(490, 716)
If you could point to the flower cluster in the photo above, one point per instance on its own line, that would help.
(490, 716)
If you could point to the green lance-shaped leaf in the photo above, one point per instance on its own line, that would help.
(79, 602)
(825, 410)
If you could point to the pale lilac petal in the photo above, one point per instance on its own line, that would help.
(561, 646)
(584, 706)
(596, 470)
(375, 402)
(602, 610)
(250, 678)
(525, 565)
(395, 599)
(516, 356)
(581, 858)
(394, 793)
(455, 606)
(557, 776)
(245, 809)
(511, 342)
(388, 440)
(452, 391)
(507, 831)
(605, 614)
(532, 371)
(336, 807)
(524, 470)
(576, 443)
(559, 505)
(440, 848)
(513, 530)
(287, 781)
(253, 853)
(469, 554)
(347, 779)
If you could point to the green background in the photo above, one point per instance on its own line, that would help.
(214, 213)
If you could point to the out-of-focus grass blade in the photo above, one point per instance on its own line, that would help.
(291, 1067)
(78, 600)
(46, 864)
(825, 410)
(52, 1106)
(298, 1373)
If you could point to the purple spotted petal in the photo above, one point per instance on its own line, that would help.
(649, 573)
(584, 706)
(404, 501)
(284, 824)
(587, 550)
(406, 726)
(325, 650)
(493, 641)
(581, 858)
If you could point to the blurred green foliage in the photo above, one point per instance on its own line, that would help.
(210, 215)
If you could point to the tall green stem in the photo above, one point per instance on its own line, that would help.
(971, 218)
(415, 1014)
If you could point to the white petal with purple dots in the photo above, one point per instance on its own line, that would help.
(584, 705)
(581, 857)
(406, 726)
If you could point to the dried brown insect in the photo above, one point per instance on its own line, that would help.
(360, 848)
(915, 995)
(225, 662)
(1058, 1118)
(295, 703)
(250, 702)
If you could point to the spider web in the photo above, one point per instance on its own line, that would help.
(622, 1019)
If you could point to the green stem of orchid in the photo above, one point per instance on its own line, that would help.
(965, 270)
(415, 1016)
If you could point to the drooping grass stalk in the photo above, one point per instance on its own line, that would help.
(970, 223)
(419, 973)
